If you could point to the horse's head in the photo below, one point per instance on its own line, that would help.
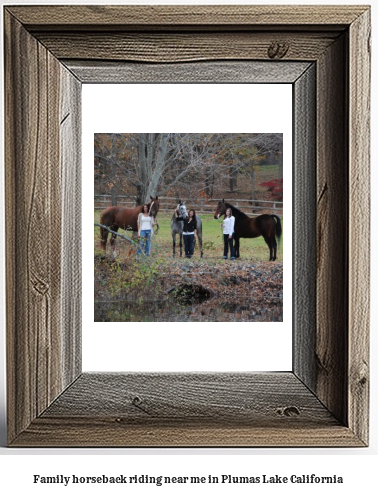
(181, 210)
(154, 206)
(221, 209)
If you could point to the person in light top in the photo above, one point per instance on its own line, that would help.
(228, 226)
(145, 229)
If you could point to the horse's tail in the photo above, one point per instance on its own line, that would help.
(278, 226)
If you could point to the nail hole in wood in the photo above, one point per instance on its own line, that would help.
(278, 50)
(289, 411)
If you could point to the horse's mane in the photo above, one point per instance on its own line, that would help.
(174, 212)
(236, 211)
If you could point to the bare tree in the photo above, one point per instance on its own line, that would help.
(152, 156)
(179, 164)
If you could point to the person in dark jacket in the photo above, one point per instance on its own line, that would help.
(189, 232)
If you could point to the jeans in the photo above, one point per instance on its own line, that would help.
(189, 244)
(144, 242)
(228, 243)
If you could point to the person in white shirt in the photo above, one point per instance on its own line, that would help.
(145, 229)
(228, 226)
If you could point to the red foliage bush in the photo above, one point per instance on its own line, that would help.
(275, 187)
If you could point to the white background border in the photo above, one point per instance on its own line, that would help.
(186, 346)
(359, 472)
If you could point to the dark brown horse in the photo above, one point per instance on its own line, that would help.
(267, 226)
(124, 218)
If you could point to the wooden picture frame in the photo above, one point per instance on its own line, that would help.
(49, 52)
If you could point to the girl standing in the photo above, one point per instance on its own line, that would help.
(145, 229)
(228, 226)
(189, 232)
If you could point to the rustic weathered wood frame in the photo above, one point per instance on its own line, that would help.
(49, 52)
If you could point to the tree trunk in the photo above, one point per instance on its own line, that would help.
(233, 179)
(113, 190)
(157, 164)
(142, 150)
(152, 153)
(253, 182)
(209, 182)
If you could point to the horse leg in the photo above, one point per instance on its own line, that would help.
(270, 252)
(272, 243)
(268, 241)
(174, 245)
(200, 244)
(180, 244)
(274, 246)
(113, 240)
(104, 238)
(237, 247)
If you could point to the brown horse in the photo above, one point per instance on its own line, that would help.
(267, 226)
(124, 218)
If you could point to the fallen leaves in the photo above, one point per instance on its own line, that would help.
(238, 290)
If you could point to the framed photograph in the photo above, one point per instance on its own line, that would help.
(203, 171)
(198, 177)
(323, 53)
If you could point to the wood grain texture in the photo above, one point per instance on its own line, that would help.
(184, 17)
(331, 351)
(181, 47)
(202, 72)
(304, 227)
(34, 207)
(359, 223)
(193, 409)
(324, 402)
(245, 397)
(100, 432)
(70, 161)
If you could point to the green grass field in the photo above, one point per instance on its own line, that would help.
(250, 248)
